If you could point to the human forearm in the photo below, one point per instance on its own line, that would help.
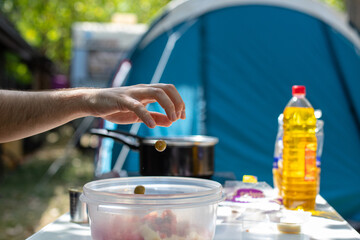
(23, 114)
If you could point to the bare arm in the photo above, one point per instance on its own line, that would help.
(23, 114)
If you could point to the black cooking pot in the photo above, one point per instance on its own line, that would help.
(187, 156)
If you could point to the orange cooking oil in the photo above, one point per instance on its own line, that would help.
(300, 176)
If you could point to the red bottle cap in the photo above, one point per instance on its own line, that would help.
(298, 90)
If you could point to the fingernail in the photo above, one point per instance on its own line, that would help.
(183, 115)
(173, 116)
(151, 123)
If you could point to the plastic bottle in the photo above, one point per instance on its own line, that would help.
(299, 185)
(278, 150)
(320, 144)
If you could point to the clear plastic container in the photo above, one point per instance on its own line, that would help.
(299, 184)
(171, 208)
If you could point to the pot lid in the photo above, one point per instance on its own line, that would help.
(181, 141)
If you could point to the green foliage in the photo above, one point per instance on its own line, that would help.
(47, 24)
(337, 4)
(16, 72)
(27, 198)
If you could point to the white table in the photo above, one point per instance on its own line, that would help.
(315, 228)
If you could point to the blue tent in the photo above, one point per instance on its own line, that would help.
(234, 62)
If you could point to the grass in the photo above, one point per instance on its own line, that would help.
(28, 200)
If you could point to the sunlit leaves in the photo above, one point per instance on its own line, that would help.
(337, 4)
(47, 24)
(79, 6)
(31, 35)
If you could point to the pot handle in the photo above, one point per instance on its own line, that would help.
(128, 139)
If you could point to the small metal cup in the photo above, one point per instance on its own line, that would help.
(78, 210)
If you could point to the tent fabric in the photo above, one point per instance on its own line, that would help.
(234, 68)
(181, 10)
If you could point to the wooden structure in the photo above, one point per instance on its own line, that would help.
(39, 65)
(11, 154)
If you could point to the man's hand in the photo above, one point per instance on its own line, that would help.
(126, 105)
(27, 113)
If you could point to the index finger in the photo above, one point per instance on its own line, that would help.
(175, 97)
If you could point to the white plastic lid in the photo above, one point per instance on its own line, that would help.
(174, 192)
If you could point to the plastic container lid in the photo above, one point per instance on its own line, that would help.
(160, 192)
(298, 90)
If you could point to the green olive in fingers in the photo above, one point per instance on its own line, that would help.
(160, 145)
(139, 189)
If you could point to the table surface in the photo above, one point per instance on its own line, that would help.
(315, 228)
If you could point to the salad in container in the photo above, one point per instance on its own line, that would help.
(167, 208)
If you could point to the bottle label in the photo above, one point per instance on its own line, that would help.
(310, 163)
(275, 162)
(318, 162)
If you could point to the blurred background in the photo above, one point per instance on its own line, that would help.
(43, 45)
